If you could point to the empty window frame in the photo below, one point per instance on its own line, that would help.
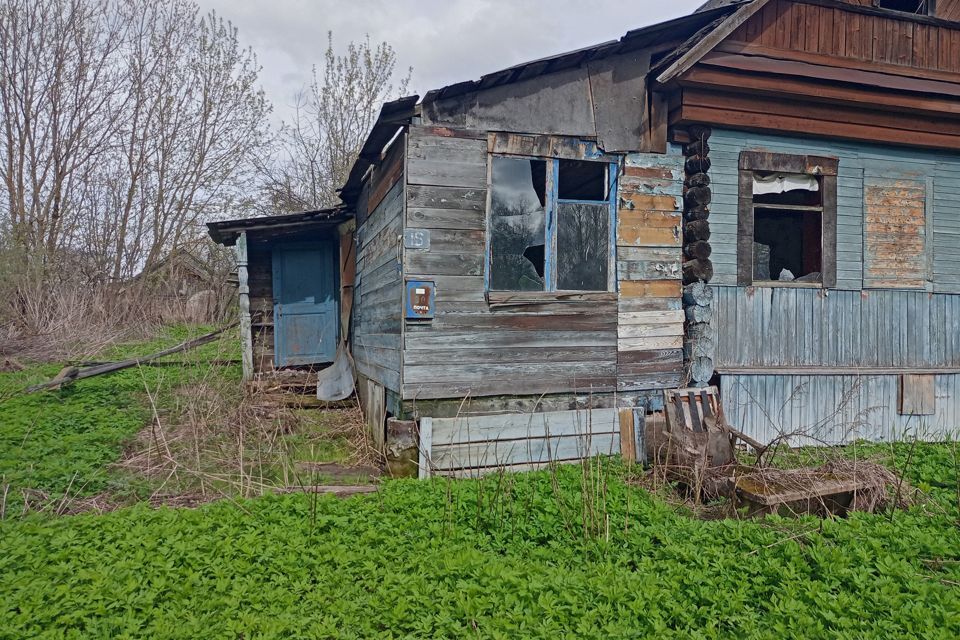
(918, 7)
(787, 224)
(551, 224)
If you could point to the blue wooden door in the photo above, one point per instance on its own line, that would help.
(305, 315)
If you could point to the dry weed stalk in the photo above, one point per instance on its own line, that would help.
(209, 439)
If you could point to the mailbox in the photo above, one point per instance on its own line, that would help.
(418, 300)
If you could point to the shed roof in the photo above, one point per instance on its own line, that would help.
(226, 232)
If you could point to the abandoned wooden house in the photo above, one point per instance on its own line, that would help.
(763, 195)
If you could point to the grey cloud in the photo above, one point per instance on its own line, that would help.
(444, 41)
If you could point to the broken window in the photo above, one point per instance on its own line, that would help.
(787, 226)
(920, 7)
(550, 224)
(517, 224)
(787, 222)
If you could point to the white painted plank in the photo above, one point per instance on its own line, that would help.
(426, 447)
(538, 450)
(448, 431)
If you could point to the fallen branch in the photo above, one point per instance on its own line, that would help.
(70, 374)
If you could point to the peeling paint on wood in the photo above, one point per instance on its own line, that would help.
(894, 234)
(650, 289)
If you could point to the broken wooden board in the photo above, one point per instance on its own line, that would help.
(800, 490)
(70, 374)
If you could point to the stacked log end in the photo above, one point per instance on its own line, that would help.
(699, 344)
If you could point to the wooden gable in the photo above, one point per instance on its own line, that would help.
(829, 68)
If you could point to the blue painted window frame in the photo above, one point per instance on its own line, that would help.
(550, 231)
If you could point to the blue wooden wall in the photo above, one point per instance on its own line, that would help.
(827, 362)
(856, 160)
(835, 409)
(769, 327)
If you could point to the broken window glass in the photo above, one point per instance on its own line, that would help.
(517, 224)
(581, 180)
(583, 245)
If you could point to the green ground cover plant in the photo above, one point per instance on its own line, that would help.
(579, 551)
(181, 431)
(59, 443)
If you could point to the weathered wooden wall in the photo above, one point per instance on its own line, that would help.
(822, 29)
(377, 311)
(860, 164)
(470, 348)
(798, 359)
(260, 279)
(835, 409)
(784, 328)
(470, 446)
(948, 10)
(649, 241)
(548, 344)
(817, 67)
(827, 364)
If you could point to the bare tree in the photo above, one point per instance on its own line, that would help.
(125, 123)
(331, 120)
(60, 98)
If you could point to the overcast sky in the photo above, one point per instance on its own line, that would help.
(445, 41)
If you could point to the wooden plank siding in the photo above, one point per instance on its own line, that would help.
(649, 239)
(832, 30)
(948, 10)
(474, 445)
(378, 292)
(939, 172)
(793, 328)
(836, 409)
(824, 68)
(541, 345)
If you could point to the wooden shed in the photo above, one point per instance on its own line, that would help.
(292, 270)
(763, 195)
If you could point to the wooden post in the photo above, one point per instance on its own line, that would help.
(628, 437)
(425, 445)
(243, 290)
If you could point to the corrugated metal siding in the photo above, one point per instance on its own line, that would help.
(855, 158)
(777, 327)
(835, 409)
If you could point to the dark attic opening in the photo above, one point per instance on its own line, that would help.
(919, 7)
(788, 224)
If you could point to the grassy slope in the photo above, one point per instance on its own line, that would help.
(55, 440)
(483, 559)
(476, 559)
